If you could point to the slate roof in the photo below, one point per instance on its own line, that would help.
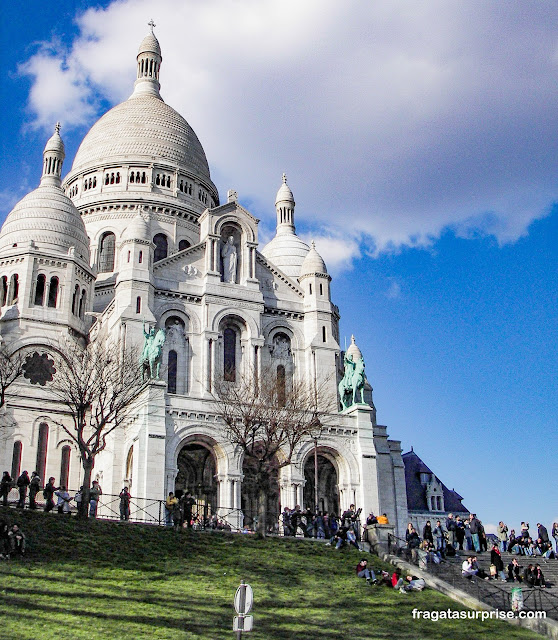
(416, 492)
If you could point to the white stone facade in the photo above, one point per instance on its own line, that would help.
(163, 250)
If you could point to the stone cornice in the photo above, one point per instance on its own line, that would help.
(279, 274)
(176, 257)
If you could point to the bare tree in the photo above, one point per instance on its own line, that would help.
(99, 385)
(11, 367)
(269, 419)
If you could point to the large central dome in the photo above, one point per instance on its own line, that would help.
(142, 128)
(142, 145)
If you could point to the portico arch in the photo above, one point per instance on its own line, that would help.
(197, 463)
(328, 480)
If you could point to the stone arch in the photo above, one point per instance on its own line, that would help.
(328, 480)
(232, 357)
(189, 316)
(177, 355)
(198, 462)
(338, 453)
(246, 230)
(251, 325)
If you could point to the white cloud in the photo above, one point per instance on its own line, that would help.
(397, 118)
(338, 252)
(394, 290)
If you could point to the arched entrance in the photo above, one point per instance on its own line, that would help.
(251, 486)
(197, 467)
(328, 487)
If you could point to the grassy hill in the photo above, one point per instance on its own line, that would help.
(101, 580)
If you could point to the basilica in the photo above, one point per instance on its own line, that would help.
(136, 236)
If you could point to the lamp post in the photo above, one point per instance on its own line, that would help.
(316, 472)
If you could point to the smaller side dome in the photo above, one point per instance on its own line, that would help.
(354, 351)
(46, 216)
(313, 263)
(137, 230)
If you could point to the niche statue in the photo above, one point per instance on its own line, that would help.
(229, 255)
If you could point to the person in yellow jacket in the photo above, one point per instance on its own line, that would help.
(383, 519)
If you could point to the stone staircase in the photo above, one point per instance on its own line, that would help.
(498, 593)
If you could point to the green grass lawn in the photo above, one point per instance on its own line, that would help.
(107, 580)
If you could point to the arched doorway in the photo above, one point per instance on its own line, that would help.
(197, 467)
(328, 487)
(252, 483)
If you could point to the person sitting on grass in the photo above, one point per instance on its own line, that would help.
(411, 583)
(363, 571)
(17, 541)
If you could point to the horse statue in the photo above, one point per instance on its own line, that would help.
(152, 352)
(352, 382)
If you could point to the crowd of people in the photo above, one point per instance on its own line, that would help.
(57, 496)
(468, 534)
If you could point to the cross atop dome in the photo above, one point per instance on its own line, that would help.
(151, 24)
(284, 178)
(57, 128)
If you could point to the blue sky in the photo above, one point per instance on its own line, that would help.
(420, 143)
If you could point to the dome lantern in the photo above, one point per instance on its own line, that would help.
(53, 158)
(284, 206)
(149, 60)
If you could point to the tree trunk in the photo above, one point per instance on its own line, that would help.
(261, 527)
(84, 505)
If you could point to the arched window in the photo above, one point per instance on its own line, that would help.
(112, 178)
(40, 290)
(53, 292)
(143, 178)
(281, 386)
(324, 334)
(161, 246)
(75, 300)
(183, 244)
(42, 450)
(140, 257)
(130, 466)
(16, 459)
(82, 303)
(172, 371)
(138, 304)
(158, 180)
(229, 360)
(118, 177)
(132, 177)
(14, 289)
(107, 178)
(106, 252)
(321, 289)
(3, 290)
(65, 466)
